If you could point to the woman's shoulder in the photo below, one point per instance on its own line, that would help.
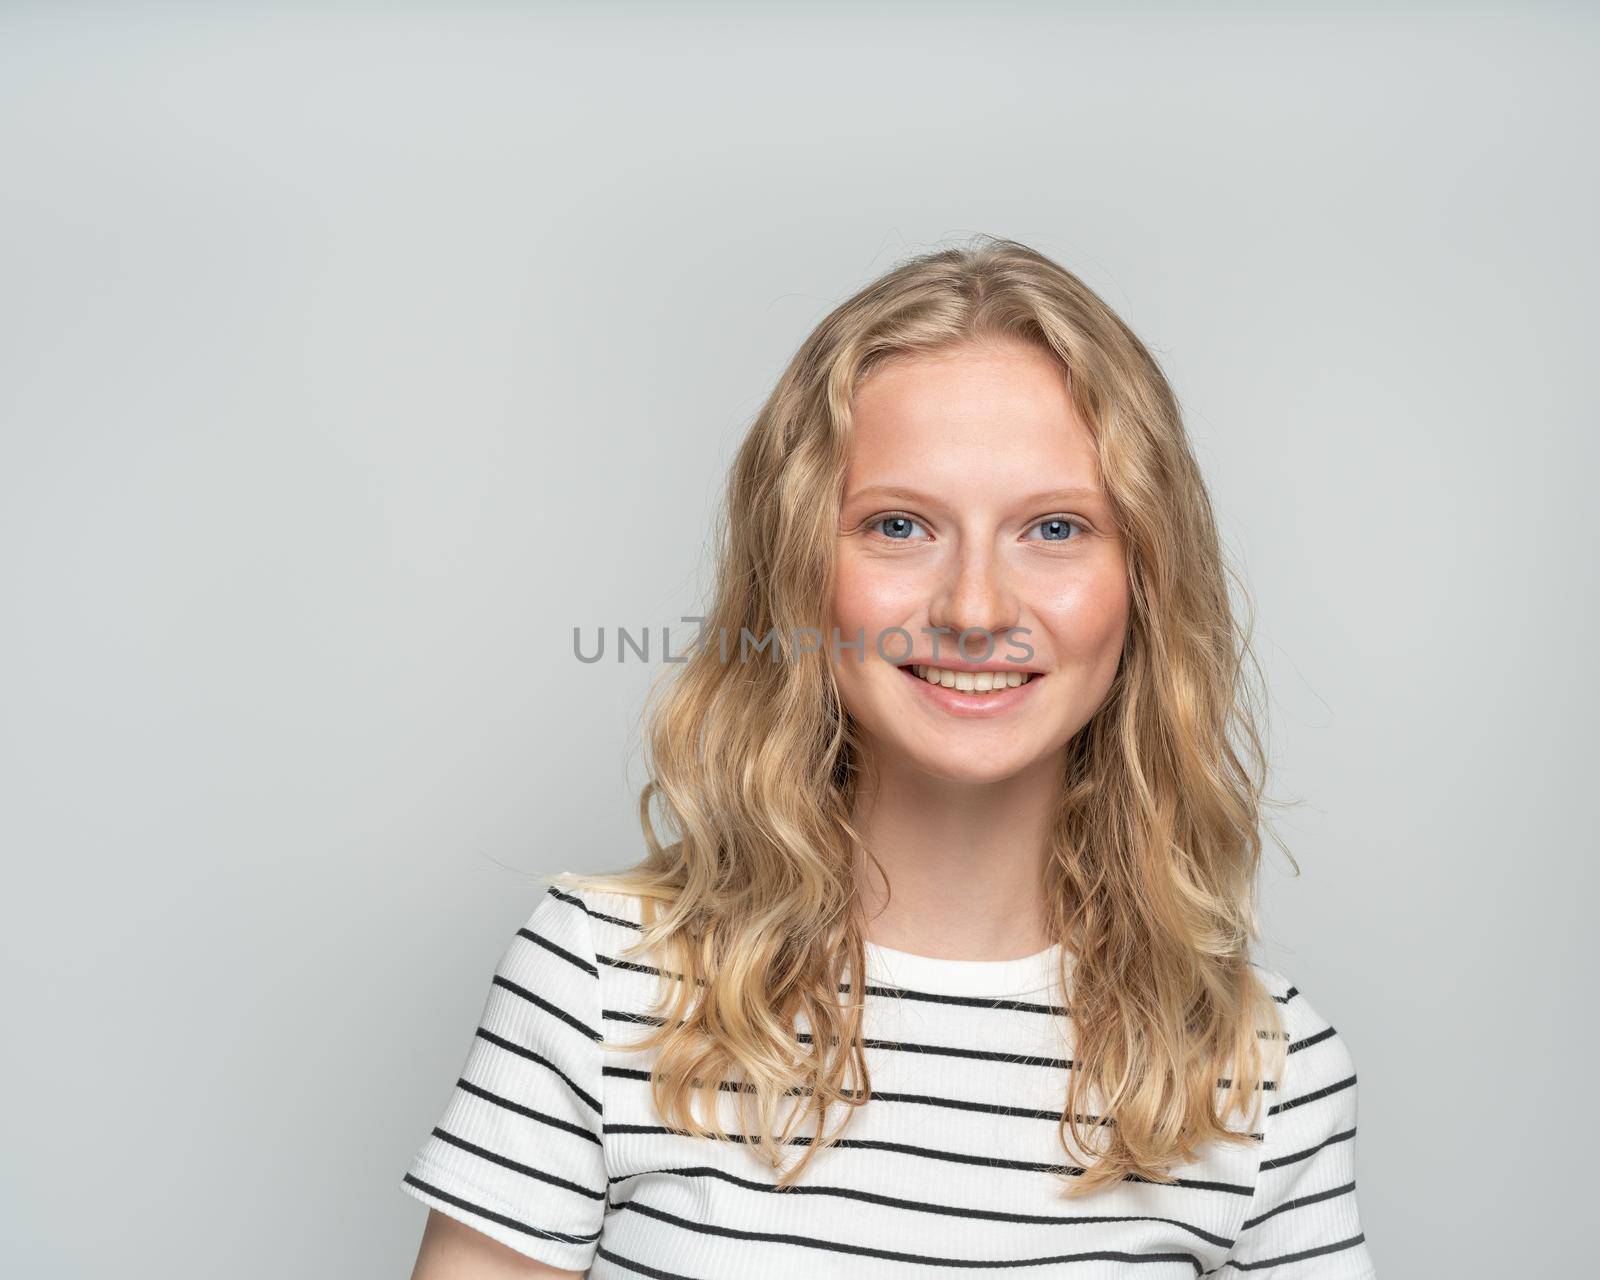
(605, 908)
(1317, 1059)
(610, 920)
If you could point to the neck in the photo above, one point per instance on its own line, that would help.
(964, 861)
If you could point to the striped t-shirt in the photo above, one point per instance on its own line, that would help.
(556, 1150)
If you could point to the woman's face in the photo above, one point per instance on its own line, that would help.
(973, 503)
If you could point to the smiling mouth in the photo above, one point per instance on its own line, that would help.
(977, 683)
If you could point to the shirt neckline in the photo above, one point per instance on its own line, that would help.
(936, 976)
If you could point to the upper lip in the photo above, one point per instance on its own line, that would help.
(960, 664)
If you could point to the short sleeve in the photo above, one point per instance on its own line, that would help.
(1303, 1222)
(518, 1152)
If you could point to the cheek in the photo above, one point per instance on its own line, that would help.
(1088, 615)
(867, 594)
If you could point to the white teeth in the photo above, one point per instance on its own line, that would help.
(973, 681)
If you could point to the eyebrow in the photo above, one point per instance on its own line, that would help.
(913, 495)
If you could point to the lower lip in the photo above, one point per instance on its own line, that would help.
(973, 706)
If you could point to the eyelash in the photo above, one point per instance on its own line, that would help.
(901, 515)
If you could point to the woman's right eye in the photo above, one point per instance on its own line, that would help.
(896, 527)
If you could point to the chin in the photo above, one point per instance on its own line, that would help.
(966, 766)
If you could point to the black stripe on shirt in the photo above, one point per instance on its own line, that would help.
(565, 1237)
(867, 1251)
(1286, 1259)
(483, 1153)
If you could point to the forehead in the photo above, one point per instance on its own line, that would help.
(995, 415)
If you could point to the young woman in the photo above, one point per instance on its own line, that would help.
(947, 964)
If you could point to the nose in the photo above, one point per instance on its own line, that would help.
(975, 597)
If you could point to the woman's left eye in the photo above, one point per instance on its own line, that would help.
(897, 527)
(1056, 529)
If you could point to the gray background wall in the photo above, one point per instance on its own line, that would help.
(349, 359)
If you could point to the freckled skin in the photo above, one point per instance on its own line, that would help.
(987, 437)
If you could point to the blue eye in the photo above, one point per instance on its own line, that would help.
(1056, 529)
(896, 527)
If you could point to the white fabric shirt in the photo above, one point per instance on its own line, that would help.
(554, 1149)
